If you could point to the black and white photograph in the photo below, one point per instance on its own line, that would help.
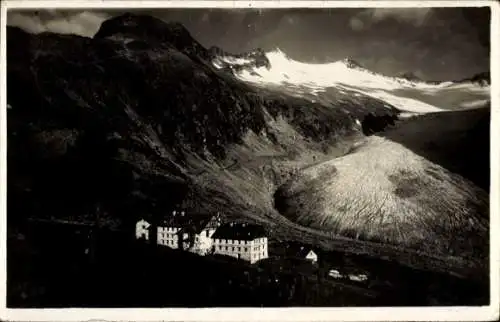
(248, 156)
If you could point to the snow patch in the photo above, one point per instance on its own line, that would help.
(474, 104)
(234, 60)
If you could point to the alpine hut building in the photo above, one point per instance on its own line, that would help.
(243, 241)
(191, 232)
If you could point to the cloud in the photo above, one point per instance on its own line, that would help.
(83, 23)
(413, 16)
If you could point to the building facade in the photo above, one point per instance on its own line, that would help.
(299, 251)
(191, 232)
(142, 229)
(242, 241)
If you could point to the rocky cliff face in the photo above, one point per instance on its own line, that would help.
(484, 79)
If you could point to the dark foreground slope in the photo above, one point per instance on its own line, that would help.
(120, 272)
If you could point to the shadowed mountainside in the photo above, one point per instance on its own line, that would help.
(136, 114)
(483, 78)
(457, 141)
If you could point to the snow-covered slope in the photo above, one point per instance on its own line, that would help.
(406, 95)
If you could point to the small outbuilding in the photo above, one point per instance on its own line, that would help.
(142, 228)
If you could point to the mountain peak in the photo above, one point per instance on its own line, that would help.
(248, 60)
(149, 29)
(411, 76)
(483, 79)
(351, 63)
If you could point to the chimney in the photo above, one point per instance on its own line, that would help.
(182, 213)
(231, 224)
(174, 212)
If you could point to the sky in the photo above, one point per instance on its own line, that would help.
(432, 43)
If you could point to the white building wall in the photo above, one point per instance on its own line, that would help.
(203, 242)
(259, 249)
(312, 256)
(167, 236)
(251, 251)
(235, 248)
(142, 229)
